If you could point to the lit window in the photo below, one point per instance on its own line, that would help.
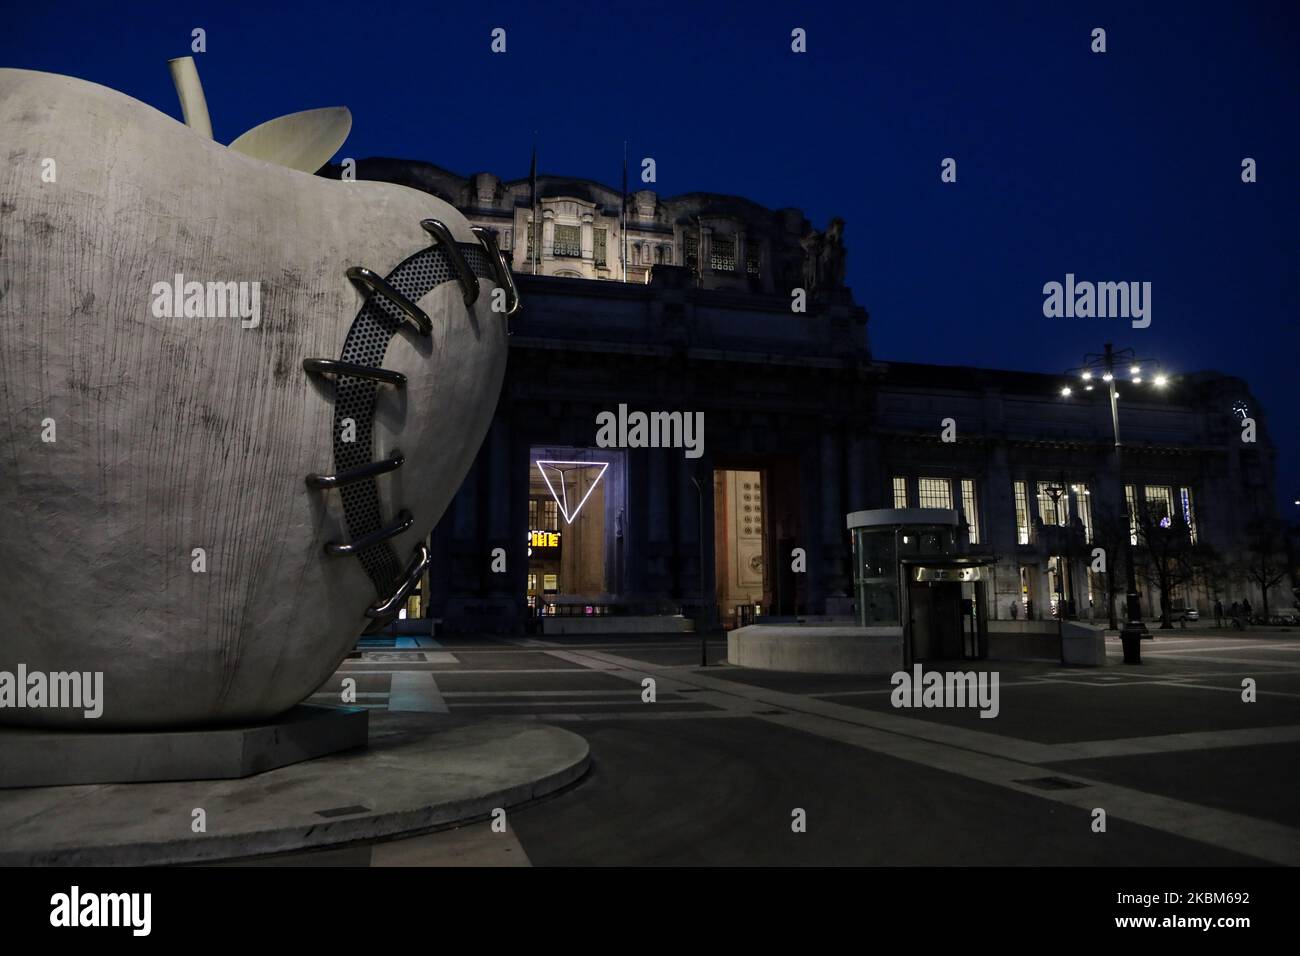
(550, 516)
(1083, 500)
(900, 492)
(1053, 512)
(722, 255)
(532, 512)
(598, 238)
(1130, 497)
(1022, 513)
(1189, 515)
(568, 241)
(934, 492)
(1160, 502)
(968, 506)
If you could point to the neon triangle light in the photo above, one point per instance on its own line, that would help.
(562, 499)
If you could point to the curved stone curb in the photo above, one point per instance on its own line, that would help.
(419, 773)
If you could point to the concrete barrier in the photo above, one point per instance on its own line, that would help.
(1085, 644)
(1023, 641)
(814, 649)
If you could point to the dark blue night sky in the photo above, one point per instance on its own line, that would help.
(1122, 166)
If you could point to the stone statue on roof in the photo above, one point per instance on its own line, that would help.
(832, 264)
(812, 257)
(823, 263)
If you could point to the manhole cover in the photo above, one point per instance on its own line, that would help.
(1053, 783)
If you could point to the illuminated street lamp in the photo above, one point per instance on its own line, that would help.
(1106, 363)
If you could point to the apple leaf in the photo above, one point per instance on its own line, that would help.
(304, 141)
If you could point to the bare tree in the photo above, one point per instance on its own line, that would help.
(1171, 559)
(1264, 558)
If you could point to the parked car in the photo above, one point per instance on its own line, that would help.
(1288, 615)
(1184, 614)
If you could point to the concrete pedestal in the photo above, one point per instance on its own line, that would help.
(56, 758)
(420, 772)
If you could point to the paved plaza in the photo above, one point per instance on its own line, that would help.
(713, 770)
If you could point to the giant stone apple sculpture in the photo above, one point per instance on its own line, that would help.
(210, 509)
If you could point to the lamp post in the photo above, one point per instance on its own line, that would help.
(1105, 366)
(1056, 492)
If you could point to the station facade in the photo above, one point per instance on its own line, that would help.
(803, 425)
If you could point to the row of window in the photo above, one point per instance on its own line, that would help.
(722, 255)
(1056, 503)
(567, 244)
(1053, 506)
(938, 493)
(543, 514)
(1161, 507)
(641, 253)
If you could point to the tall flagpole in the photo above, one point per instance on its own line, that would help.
(623, 227)
(535, 226)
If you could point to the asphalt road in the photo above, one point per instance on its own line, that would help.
(714, 770)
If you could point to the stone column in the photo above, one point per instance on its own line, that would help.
(657, 503)
(588, 243)
(548, 235)
(999, 518)
(636, 525)
(833, 529)
(659, 531)
(812, 501)
(829, 447)
(859, 462)
(498, 469)
(518, 466)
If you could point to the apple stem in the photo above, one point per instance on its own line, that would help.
(190, 90)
